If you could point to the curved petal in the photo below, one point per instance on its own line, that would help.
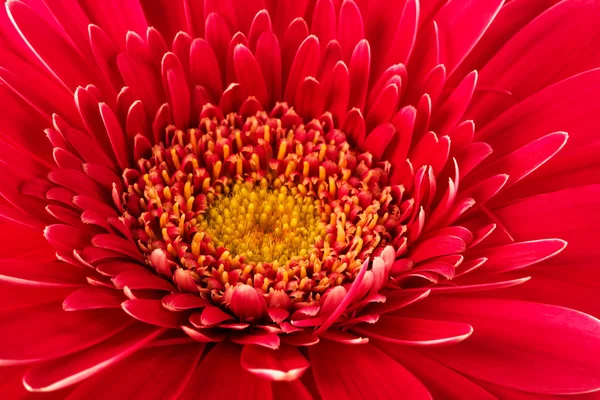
(570, 106)
(283, 364)
(151, 373)
(570, 214)
(57, 374)
(90, 297)
(415, 331)
(183, 301)
(513, 67)
(461, 24)
(220, 376)
(152, 312)
(41, 274)
(374, 375)
(63, 332)
(508, 349)
(141, 279)
(441, 381)
(518, 255)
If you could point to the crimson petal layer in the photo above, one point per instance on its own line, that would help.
(507, 348)
(56, 374)
(415, 331)
(171, 365)
(283, 364)
(214, 376)
(390, 381)
(63, 332)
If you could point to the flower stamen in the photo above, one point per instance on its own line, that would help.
(261, 202)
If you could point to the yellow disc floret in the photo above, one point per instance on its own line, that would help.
(260, 224)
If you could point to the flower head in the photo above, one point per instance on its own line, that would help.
(299, 199)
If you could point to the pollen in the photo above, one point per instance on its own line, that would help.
(260, 225)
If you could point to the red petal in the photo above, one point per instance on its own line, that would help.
(142, 80)
(66, 238)
(247, 304)
(578, 223)
(486, 189)
(305, 64)
(507, 348)
(93, 297)
(347, 299)
(310, 101)
(249, 74)
(141, 279)
(293, 390)
(415, 331)
(176, 87)
(232, 99)
(210, 316)
(284, 364)
(52, 48)
(183, 301)
(354, 127)
(130, 377)
(523, 161)
(437, 246)
(379, 139)
(261, 24)
(343, 337)
(181, 48)
(205, 335)
(268, 56)
(472, 156)
(63, 332)
(350, 28)
(218, 36)
(212, 377)
(565, 106)
(464, 286)
(295, 34)
(403, 121)
(441, 381)
(338, 94)
(465, 23)
(323, 24)
(37, 274)
(298, 338)
(152, 312)
(118, 244)
(69, 370)
(398, 299)
(390, 381)
(204, 68)
(265, 339)
(360, 65)
(114, 268)
(405, 35)
(116, 135)
(518, 255)
(384, 106)
(13, 297)
(237, 39)
(453, 109)
(244, 12)
(513, 68)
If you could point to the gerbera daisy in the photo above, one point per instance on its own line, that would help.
(362, 199)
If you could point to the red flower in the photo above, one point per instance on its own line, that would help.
(299, 199)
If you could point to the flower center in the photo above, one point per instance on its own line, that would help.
(261, 201)
(263, 225)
